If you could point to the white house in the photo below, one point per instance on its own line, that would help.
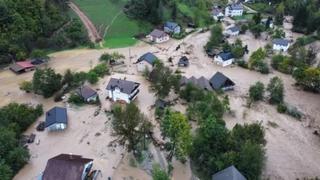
(217, 13)
(56, 119)
(235, 9)
(87, 94)
(223, 59)
(122, 90)
(233, 31)
(67, 167)
(158, 36)
(146, 62)
(172, 28)
(281, 44)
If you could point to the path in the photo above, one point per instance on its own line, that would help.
(93, 34)
(114, 18)
(250, 10)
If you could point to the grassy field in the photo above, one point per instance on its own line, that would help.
(243, 17)
(117, 28)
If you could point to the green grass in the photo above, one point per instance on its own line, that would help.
(243, 17)
(122, 30)
(260, 7)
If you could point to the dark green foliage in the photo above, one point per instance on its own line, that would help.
(281, 108)
(256, 91)
(237, 49)
(101, 69)
(106, 57)
(216, 37)
(282, 63)
(92, 77)
(243, 64)
(130, 126)
(276, 90)
(46, 82)
(43, 24)
(308, 78)
(75, 99)
(159, 174)
(26, 86)
(14, 119)
(257, 61)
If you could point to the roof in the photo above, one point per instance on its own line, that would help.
(235, 6)
(183, 61)
(86, 92)
(225, 56)
(65, 167)
(219, 81)
(19, 66)
(125, 86)
(56, 115)
(282, 42)
(158, 33)
(149, 57)
(216, 11)
(171, 25)
(230, 173)
(201, 82)
(234, 29)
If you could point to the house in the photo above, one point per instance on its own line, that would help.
(67, 167)
(280, 44)
(224, 59)
(122, 90)
(22, 66)
(158, 36)
(56, 119)
(220, 81)
(146, 61)
(201, 83)
(87, 94)
(235, 9)
(183, 62)
(230, 173)
(233, 31)
(172, 28)
(217, 13)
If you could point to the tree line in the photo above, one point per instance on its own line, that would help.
(42, 24)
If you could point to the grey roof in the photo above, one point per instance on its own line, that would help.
(230, 173)
(171, 25)
(225, 56)
(125, 86)
(282, 42)
(158, 33)
(216, 11)
(219, 81)
(148, 57)
(183, 61)
(86, 92)
(201, 83)
(65, 167)
(234, 29)
(236, 6)
(56, 115)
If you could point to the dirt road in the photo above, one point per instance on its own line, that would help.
(93, 34)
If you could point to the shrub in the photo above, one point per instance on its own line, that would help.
(26, 86)
(256, 91)
(276, 90)
(242, 64)
(75, 99)
(281, 108)
(92, 77)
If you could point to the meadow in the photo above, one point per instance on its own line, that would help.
(115, 27)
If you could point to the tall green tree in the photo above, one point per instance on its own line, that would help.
(256, 91)
(46, 82)
(215, 38)
(276, 90)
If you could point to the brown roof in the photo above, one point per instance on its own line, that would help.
(65, 167)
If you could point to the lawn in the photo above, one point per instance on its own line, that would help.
(120, 32)
(243, 17)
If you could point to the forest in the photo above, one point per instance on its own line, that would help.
(29, 25)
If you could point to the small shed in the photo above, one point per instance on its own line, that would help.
(183, 62)
(87, 94)
(22, 66)
(146, 61)
(220, 81)
(56, 119)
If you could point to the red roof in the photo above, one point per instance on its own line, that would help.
(25, 64)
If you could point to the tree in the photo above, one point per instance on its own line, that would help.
(256, 61)
(92, 77)
(18, 157)
(159, 174)
(237, 50)
(278, 33)
(5, 171)
(257, 18)
(216, 37)
(256, 91)
(276, 90)
(130, 126)
(101, 69)
(279, 14)
(46, 82)
(26, 86)
(175, 127)
(308, 78)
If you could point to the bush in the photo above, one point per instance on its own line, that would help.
(276, 90)
(101, 69)
(75, 99)
(242, 64)
(281, 108)
(159, 174)
(26, 86)
(92, 77)
(256, 91)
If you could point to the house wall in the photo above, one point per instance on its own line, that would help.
(92, 98)
(176, 30)
(57, 127)
(217, 17)
(219, 61)
(232, 13)
(141, 66)
(280, 48)
(117, 95)
(232, 33)
(161, 39)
